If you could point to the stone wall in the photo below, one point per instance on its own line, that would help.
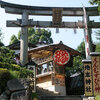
(17, 89)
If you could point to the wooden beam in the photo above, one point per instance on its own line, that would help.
(45, 24)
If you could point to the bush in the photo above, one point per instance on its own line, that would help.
(14, 74)
(24, 73)
(97, 97)
(34, 95)
(4, 77)
(12, 67)
(15, 67)
(7, 55)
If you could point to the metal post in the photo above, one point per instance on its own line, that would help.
(24, 40)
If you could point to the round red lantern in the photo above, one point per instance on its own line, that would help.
(61, 57)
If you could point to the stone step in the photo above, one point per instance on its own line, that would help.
(45, 92)
(60, 98)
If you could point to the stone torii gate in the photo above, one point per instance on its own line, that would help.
(56, 12)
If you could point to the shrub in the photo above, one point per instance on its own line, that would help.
(24, 72)
(14, 74)
(7, 55)
(4, 77)
(13, 67)
(34, 95)
(97, 97)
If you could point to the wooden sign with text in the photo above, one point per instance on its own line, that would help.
(96, 74)
(60, 80)
(57, 16)
(88, 79)
(43, 60)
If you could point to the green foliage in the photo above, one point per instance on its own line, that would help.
(95, 2)
(14, 74)
(81, 49)
(19, 35)
(21, 72)
(1, 44)
(9, 70)
(24, 72)
(77, 61)
(98, 47)
(1, 37)
(13, 39)
(34, 95)
(92, 2)
(98, 35)
(6, 55)
(97, 97)
(40, 35)
(4, 77)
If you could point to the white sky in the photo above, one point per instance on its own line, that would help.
(67, 36)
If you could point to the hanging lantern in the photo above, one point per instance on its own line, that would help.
(61, 57)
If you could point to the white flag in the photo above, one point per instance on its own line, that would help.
(87, 49)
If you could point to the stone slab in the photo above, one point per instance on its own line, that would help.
(18, 84)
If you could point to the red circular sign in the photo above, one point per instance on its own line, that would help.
(61, 57)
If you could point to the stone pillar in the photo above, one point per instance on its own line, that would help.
(88, 84)
(95, 57)
(24, 40)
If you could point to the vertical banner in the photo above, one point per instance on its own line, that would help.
(87, 49)
(88, 79)
(96, 74)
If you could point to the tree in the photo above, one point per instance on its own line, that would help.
(97, 47)
(97, 2)
(77, 61)
(1, 44)
(35, 36)
(1, 37)
(92, 2)
(98, 34)
(77, 64)
(13, 39)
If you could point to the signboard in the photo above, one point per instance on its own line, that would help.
(60, 80)
(57, 16)
(61, 57)
(43, 60)
(96, 74)
(88, 79)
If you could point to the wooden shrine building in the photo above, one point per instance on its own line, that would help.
(55, 57)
